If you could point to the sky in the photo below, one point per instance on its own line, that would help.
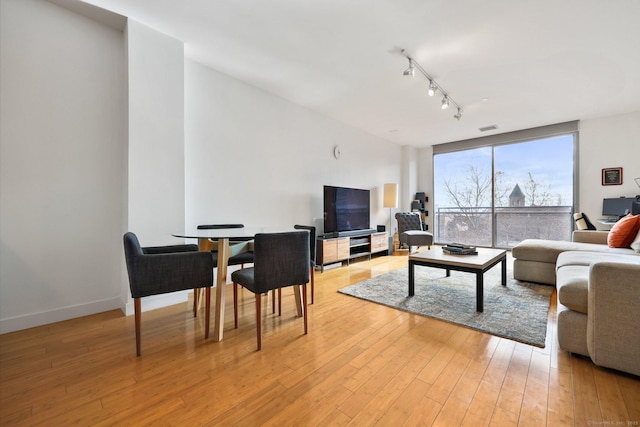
(549, 160)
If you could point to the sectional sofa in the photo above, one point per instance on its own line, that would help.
(598, 291)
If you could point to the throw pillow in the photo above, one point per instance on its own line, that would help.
(635, 245)
(582, 221)
(623, 232)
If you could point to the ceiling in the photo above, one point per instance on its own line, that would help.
(514, 64)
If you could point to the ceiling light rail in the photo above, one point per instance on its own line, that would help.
(434, 87)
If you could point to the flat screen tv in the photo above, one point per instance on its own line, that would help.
(346, 209)
(617, 207)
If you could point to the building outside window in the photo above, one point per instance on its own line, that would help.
(500, 190)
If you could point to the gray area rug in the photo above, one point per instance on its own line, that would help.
(517, 311)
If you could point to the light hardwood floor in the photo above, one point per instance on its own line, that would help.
(361, 364)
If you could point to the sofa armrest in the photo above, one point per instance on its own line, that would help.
(613, 322)
(590, 236)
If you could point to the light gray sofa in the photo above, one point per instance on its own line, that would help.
(598, 295)
(535, 259)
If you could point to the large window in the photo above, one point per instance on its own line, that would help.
(500, 190)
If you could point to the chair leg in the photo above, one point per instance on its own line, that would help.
(196, 294)
(137, 310)
(279, 301)
(304, 304)
(207, 307)
(259, 320)
(313, 277)
(235, 305)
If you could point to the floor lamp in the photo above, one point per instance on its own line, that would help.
(390, 201)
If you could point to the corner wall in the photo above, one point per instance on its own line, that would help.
(155, 192)
(62, 138)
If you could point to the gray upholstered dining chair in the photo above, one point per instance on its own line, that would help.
(164, 269)
(240, 259)
(280, 260)
(410, 231)
(312, 254)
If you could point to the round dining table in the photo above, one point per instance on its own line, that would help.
(219, 239)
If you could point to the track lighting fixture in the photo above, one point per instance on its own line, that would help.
(432, 88)
(410, 71)
(433, 85)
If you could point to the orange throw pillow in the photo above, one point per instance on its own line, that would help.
(623, 232)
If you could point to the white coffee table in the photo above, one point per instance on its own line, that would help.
(478, 264)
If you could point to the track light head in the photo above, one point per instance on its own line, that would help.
(410, 71)
(445, 102)
(432, 88)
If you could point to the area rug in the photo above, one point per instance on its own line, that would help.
(517, 311)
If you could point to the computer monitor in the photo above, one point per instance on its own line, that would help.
(618, 207)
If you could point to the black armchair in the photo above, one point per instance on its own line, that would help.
(280, 260)
(410, 231)
(165, 269)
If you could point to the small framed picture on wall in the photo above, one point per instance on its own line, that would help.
(612, 176)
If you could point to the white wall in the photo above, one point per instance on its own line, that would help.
(155, 167)
(257, 159)
(425, 179)
(93, 144)
(62, 81)
(604, 143)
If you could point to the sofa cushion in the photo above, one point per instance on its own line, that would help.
(572, 276)
(548, 250)
(624, 232)
(573, 287)
(586, 258)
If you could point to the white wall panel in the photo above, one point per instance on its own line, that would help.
(62, 136)
(260, 160)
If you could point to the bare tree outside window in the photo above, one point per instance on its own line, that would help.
(523, 200)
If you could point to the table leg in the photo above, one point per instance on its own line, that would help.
(479, 291)
(221, 283)
(504, 271)
(411, 278)
(448, 273)
(297, 293)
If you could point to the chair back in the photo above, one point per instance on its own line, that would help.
(312, 240)
(132, 251)
(408, 221)
(281, 259)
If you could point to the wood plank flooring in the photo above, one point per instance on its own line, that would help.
(361, 364)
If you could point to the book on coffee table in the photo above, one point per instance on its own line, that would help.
(459, 249)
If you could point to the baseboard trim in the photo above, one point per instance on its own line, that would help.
(157, 301)
(33, 320)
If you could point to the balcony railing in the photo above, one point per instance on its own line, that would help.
(504, 227)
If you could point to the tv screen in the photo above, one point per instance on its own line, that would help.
(346, 209)
(617, 207)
